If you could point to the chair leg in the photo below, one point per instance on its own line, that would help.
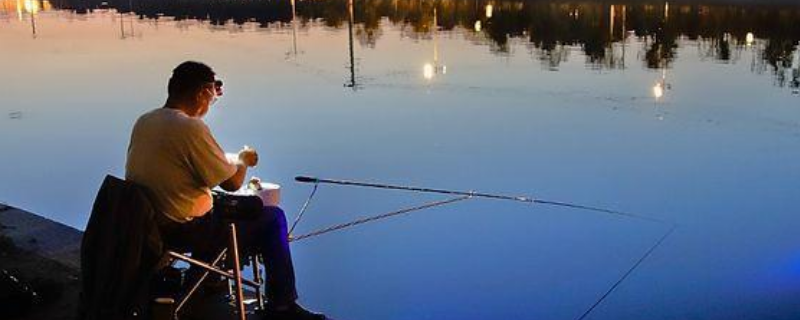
(257, 278)
(199, 282)
(237, 273)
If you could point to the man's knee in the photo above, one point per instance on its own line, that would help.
(274, 216)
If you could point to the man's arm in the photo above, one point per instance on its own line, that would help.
(247, 158)
(235, 182)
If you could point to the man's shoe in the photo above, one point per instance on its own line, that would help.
(293, 312)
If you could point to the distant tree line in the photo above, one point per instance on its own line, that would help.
(547, 25)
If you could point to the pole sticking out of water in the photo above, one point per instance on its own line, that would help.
(350, 22)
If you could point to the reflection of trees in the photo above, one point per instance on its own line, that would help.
(549, 26)
(369, 30)
(505, 22)
(779, 55)
(661, 47)
(217, 12)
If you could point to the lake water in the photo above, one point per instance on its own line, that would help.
(683, 112)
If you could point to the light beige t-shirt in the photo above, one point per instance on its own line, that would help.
(177, 158)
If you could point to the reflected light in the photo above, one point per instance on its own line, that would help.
(478, 26)
(427, 71)
(19, 10)
(489, 10)
(750, 38)
(658, 90)
(31, 6)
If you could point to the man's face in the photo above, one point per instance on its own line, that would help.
(207, 96)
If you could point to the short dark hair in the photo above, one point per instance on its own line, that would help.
(188, 78)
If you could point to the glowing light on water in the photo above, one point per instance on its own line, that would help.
(428, 71)
(19, 10)
(749, 38)
(31, 6)
(658, 90)
(478, 26)
(489, 10)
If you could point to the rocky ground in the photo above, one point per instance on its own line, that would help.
(41, 256)
(38, 267)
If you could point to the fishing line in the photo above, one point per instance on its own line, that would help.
(303, 209)
(628, 273)
(464, 195)
(375, 218)
(596, 209)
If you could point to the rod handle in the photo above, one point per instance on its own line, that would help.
(306, 179)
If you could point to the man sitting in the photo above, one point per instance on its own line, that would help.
(173, 153)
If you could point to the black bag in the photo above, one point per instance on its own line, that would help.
(231, 206)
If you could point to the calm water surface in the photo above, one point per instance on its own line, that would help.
(684, 112)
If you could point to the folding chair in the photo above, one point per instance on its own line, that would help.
(215, 267)
(122, 249)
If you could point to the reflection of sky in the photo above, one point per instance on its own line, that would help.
(716, 154)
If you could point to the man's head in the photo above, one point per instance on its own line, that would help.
(193, 87)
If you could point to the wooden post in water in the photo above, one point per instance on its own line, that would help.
(350, 21)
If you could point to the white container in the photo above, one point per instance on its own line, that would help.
(270, 194)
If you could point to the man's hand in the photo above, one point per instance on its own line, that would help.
(248, 156)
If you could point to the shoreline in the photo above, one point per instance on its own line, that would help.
(43, 255)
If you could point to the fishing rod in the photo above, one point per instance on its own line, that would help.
(395, 187)
(315, 181)
(465, 195)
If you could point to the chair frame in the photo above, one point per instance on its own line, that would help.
(235, 275)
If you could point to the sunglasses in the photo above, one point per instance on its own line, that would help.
(217, 87)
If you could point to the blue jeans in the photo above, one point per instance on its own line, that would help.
(264, 233)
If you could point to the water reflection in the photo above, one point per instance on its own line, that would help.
(126, 26)
(350, 22)
(15, 115)
(293, 52)
(432, 70)
(550, 28)
(32, 8)
(24, 10)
